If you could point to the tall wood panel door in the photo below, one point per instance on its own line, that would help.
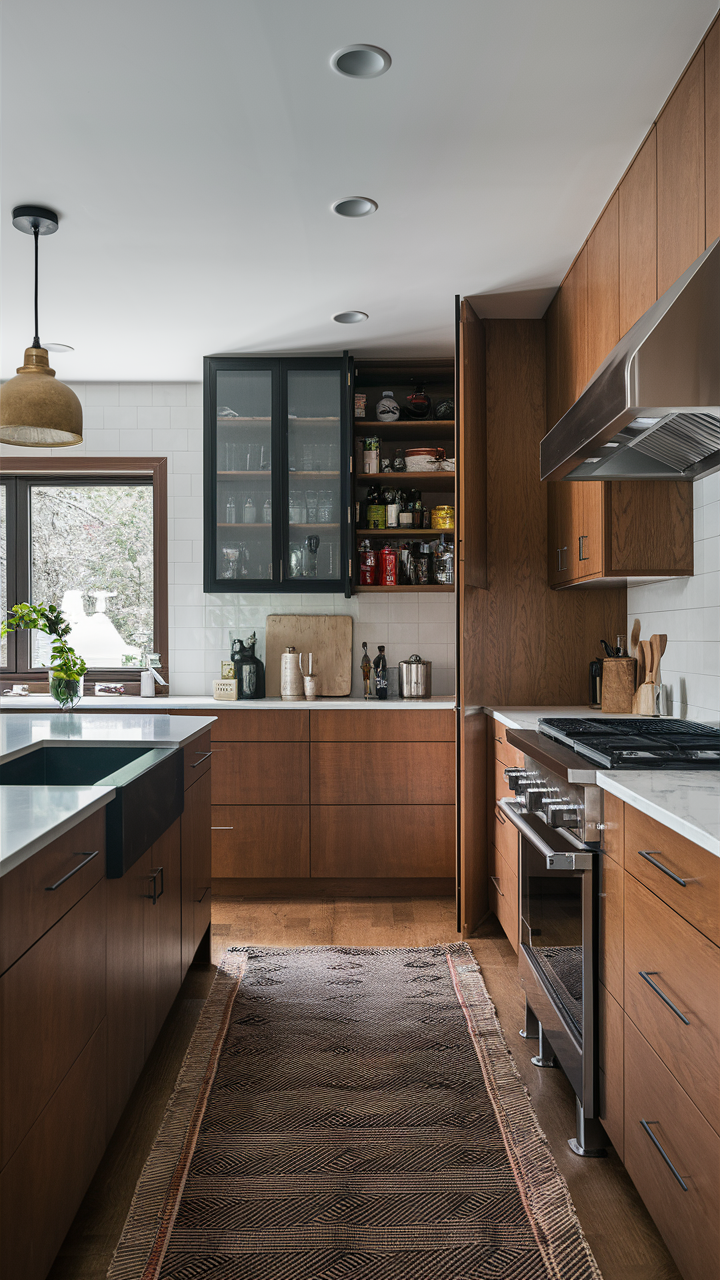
(471, 587)
(603, 288)
(572, 333)
(162, 929)
(681, 176)
(712, 134)
(637, 235)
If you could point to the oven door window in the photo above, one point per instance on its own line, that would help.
(552, 930)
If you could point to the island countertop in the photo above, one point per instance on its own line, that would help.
(22, 733)
(32, 817)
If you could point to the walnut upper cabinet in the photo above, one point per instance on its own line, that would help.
(610, 530)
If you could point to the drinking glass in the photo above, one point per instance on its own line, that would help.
(325, 507)
(308, 457)
(311, 506)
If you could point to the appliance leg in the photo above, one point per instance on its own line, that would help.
(545, 1057)
(590, 1136)
(531, 1030)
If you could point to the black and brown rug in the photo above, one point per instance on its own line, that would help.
(350, 1113)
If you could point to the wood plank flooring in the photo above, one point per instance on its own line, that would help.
(621, 1233)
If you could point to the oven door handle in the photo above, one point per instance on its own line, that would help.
(556, 860)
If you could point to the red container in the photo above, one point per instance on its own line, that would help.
(388, 567)
(368, 568)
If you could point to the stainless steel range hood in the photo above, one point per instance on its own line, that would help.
(652, 410)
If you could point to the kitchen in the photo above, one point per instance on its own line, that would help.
(338, 822)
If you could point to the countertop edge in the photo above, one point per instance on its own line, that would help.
(205, 702)
(609, 782)
(102, 797)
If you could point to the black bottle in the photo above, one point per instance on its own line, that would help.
(380, 665)
(249, 670)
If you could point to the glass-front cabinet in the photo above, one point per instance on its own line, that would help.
(277, 474)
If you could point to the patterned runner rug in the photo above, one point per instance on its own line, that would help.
(350, 1113)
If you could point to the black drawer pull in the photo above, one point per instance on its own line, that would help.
(646, 978)
(500, 815)
(49, 887)
(646, 1126)
(206, 756)
(498, 739)
(203, 894)
(153, 876)
(496, 882)
(666, 870)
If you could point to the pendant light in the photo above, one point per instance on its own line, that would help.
(35, 410)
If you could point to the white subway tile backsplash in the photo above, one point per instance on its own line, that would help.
(122, 418)
(190, 463)
(99, 440)
(135, 393)
(169, 440)
(403, 608)
(194, 392)
(187, 418)
(102, 393)
(153, 418)
(169, 393)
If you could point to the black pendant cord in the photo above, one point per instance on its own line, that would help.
(36, 233)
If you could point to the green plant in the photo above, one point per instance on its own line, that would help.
(65, 662)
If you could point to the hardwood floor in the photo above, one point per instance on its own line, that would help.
(622, 1235)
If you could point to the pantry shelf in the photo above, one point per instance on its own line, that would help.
(434, 587)
(440, 481)
(423, 429)
(406, 531)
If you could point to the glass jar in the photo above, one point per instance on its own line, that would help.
(325, 507)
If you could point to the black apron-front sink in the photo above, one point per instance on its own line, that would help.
(148, 790)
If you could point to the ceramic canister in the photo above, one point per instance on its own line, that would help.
(291, 680)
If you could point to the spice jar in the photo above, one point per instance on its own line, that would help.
(443, 517)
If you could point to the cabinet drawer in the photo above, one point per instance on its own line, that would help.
(503, 895)
(510, 756)
(685, 966)
(506, 839)
(42, 1185)
(501, 784)
(610, 1055)
(614, 835)
(260, 773)
(383, 725)
(198, 755)
(245, 725)
(260, 840)
(687, 1220)
(27, 909)
(699, 899)
(382, 840)
(392, 773)
(610, 950)
(51, 1002)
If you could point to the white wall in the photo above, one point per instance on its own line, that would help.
(137, 420)
(687, 610)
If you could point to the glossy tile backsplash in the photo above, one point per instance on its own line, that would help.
(687, 610)
(142, 419)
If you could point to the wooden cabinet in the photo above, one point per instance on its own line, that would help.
(611, 1067)
(269, 773)
(612, 530)
(637, 235)
(196, 845)
(681, 176)
(502, 836)
(260, 841)
(603, 287)
(682, 874)
(385, 773)
(712, 134)
(161, 929)
(503, 894)
(572, 334)
(611, 921)
(387, 840)
(126, 906)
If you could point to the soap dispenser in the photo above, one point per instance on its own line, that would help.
(150, 677)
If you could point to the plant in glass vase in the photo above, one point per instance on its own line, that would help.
(67, 668)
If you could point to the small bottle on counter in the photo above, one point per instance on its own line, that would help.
(381, 679)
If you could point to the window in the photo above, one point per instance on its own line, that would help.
(94, 543)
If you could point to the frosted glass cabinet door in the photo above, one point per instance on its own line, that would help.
(244, 458)
(313, 459)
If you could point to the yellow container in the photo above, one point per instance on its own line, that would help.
(443, 518)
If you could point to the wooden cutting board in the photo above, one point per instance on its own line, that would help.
(327, 637)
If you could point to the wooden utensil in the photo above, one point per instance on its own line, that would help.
(634, 637)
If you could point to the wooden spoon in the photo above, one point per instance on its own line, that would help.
(634, 637)
(647, 669)
(656, 654)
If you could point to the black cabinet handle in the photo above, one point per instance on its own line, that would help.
(581, 546)
(153, 876)
(202, 895)
(49, 887)
(560, 564)
(643, 853)
(206, 756)
(646, 1126)
(500, 815)
(496, 882)
(498, 739)
(646, 978)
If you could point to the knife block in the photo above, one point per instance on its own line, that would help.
(618, 685)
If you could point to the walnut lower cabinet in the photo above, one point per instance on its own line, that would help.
(659, 1033)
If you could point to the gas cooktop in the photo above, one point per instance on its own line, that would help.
(638, 743)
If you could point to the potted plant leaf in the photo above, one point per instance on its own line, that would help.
(66, 667)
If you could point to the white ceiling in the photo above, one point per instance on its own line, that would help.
(193, 149)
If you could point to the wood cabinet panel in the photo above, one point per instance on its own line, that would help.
(509, 756)
(603, 287)
(688, 1220)
(572, 333)
(712, 134)
(270, 773)
(610, 957)
(260, 841)
(51, 1001)
(686, 967)
(562, 536)
(243, 724)
(590, 533)
(651, 530)
(637, 222)
(681, 176)
(611, 1037)
(43, 1184)
(552, 369)
(126, 903)
(503, 896)
(699, 900)
(505, 839)
(471, 497)
(162, 930)
(413, 773)
(383, 840)
(613, 840)
(198, 755)
(196, 838)
(502, 787)
(383, 725)
(27, 910)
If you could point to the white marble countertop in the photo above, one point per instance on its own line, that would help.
(685, 800)
(202, 702)
(31, 817)
(22, 733)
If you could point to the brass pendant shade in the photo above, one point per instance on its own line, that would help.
(35, 410)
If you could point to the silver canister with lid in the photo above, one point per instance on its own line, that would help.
(415, 677)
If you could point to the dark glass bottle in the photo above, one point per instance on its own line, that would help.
(366, 668)
(249, 670)
(417, 510)
(380, 665)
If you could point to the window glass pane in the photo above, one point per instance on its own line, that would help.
(3, 571)
(92, 556)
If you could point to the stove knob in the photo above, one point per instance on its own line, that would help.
(535, 797)
(518, 778)
(563, 815)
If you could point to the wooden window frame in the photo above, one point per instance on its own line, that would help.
(122, 468)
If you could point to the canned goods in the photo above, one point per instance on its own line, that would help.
(388, 567)
(443, 517)
(376, 516)
(368, 567)
(371, 455)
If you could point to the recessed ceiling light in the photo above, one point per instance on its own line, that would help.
(350, 317)
(355, 207)
(363, 61)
